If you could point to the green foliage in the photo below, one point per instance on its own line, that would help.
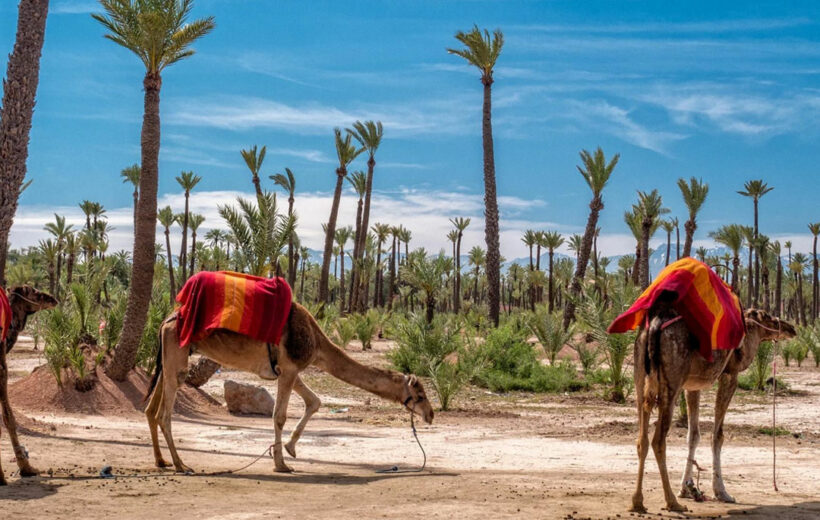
(513, 365)
(345, 331)
(59, 333)
(113, 323)
(549, 330)
(366, 326)
(159, 309)
(760, 369)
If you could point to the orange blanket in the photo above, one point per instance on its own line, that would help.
(5, 315)
(704, 301)
(249, 305)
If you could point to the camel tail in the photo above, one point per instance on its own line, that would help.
(157, 367)
(652, 359)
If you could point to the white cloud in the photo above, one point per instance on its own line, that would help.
(75, 7)
(715, 26)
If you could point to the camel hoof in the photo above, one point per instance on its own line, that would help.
(184, 470)
(29, 472)
(676, 507)
(284, 468)
(161, 463)
(725, 497)
(637, 508)
(291, 449)
(684, 493)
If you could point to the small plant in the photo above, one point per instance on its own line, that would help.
(767, 430)
(550, 332)
(366, 326)
(759, 371)
(788, 352)
(345, 331)
(149, 343)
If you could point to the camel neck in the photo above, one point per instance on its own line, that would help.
(384, 383)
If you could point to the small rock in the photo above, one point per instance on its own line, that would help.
(243, 398)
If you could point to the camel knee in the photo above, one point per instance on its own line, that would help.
(313, 406)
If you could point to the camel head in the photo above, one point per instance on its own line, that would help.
(30, 300)
(769, 327)
(415, 399)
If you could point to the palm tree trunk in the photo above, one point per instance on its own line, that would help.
(171, 281)
(136, 200)
(750, 292)
(193, 253)
(392, 279)
(493, 265)
(59, 272)
(183, 248)
(257, 186)
(735, 265)
(16, 111)
(668, 245)
(292, 255)
(551, 286)
(801, 308)
(677, 242)
(815, 286)
(342, 280)
(636, 267)
(757, 260)
(331, 231)
(595, 206)
(646, 227)
(355, 267)
(200, 373)
(690, 226)
(361, 288)
(377, 289)
(142, 270)
(457, 301)
(69, 268)
(778, 289)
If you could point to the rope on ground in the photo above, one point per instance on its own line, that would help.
(396, 469)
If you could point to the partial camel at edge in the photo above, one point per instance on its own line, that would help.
(303, 344)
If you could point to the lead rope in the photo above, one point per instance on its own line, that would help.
(774, 408)
(395, 469)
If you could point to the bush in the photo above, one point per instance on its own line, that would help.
(366, 325)
(759, 371)
(345, 331)
(549, 330)
(513, 365)
(159, 309)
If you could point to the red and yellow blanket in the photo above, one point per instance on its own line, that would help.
(249, 305)
(704, 301)
(5, 315)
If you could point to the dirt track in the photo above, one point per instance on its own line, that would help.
(518, 455)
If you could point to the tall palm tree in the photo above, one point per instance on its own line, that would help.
(253, 159)
(764, 248)
(460, 224)
(651, 208)
(774, 250)
(596, 173)
(16, 112)
(633, 220)
(574, 244)
(72, 247)
(694, 195)
(160, 34)
(343, 234)
(731, 235)
(369, 135)
(749, 236)
(60, 231)
(675, 223)
(132, 174)
(304, 254)
(478, 259)
(48, 248)
(188, 181)
(288, 182)
(482, 51)
(345, 152)
(166, 219)
(552, 241)
(382, 231)
(815, 287)
(358, 180)
(668, 226)
(530, 238)
(194, 221)
(797, 266)
(452, 236)
(755, 189)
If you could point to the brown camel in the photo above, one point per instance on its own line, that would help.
(666, 362)
(303, 344)
(24, 301)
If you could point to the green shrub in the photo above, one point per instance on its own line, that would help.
(366, 325)
(159, 309)
(760, 369)
(549, 330)
(113, 323)
(345, 331)
(58, 336)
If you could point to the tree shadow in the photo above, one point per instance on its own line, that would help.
(27, 489)
(801, 511)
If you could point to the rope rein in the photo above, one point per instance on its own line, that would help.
(395, 469)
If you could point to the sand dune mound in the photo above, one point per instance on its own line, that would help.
(39, 392)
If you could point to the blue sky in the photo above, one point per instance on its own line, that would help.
(719, 90)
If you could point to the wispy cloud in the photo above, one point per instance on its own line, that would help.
(711, 26)
(74, 7)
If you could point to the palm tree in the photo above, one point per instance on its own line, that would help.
(668, 226)
(460, 224)
(755, 189)
(345, 152)
(596, 173)
(194, 221)
(72, 247)
(369, 134)
(288, 182)
(530, 238)
(788, 246)
(797, 266)
(694, 195)
(774, 249)
(675, 223)
(60, 231)
(731, 235)
(815, 287)
(650, 206)
(16, 111)
(166, 218)
(482, 51)
(452, 236)
(254, 158)
(633, 220)
(574, 244)
(49, 250)
(382, 231)
(425, 275)
(749, 236)
(132, 174)
(764, 247)
(304, 253)
(187, 180)
(358, 180)
(159, 33)
(343, 234)
(552, 241)
(477, 259)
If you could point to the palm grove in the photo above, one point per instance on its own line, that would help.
(367, 280)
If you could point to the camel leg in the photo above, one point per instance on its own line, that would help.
(726, 389)
(645, 401)
(312, 404)
(175, 369)
(280, 415)
(26, 470)
(151, 412)
(668, 397)
(693, 437)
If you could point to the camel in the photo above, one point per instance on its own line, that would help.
(303, 344)
(666, 362)
(24, 301)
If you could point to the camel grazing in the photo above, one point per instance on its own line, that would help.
(666, 362)
(303, 344)
(23, 301)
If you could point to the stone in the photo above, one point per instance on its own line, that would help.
(247, 399)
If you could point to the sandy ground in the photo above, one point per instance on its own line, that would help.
(516, 455)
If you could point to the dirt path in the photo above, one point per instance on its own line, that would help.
(518, 456)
